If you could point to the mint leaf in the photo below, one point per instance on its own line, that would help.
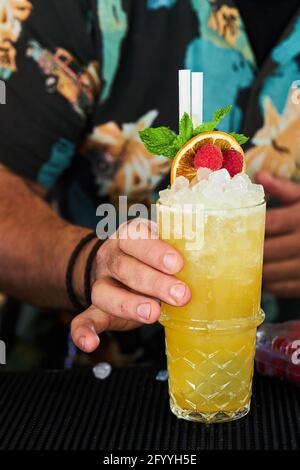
(240, 138)
(185, 128)
(179, 142)
(221, 113)
(159, 140)
(170, 151)
(206, 127)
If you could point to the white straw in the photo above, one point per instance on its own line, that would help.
(184, 92)
(197, 98)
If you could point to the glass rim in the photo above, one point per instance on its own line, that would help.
(181, 208)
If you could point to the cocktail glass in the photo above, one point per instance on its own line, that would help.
(210, 343)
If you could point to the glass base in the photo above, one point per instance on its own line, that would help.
(209, 418)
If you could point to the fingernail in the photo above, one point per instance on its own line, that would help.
(82, 342)
(170, 261)
(178, 291)
(144, 311)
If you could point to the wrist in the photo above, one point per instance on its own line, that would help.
(79, 271)
(94, 270)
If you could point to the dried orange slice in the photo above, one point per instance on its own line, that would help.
(183, 163)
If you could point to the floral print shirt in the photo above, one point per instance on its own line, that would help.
(83, 77)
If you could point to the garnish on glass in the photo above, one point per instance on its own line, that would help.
(198, 147)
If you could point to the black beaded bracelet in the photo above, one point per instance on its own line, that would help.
(69, 273)
(88, 271)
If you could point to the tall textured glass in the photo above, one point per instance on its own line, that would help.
(210, 343)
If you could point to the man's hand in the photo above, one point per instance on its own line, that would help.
(132, 276)
(281, 274)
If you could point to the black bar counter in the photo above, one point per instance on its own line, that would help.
(71, 410)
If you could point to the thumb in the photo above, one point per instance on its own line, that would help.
(284, 190)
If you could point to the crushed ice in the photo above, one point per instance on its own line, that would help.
(214, 189)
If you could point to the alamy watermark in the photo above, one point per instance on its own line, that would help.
(138, 221)
(2, 92)
(2, 353)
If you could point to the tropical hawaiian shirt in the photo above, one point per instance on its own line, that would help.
(83, 77)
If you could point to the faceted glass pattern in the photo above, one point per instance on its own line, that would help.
(210, 375)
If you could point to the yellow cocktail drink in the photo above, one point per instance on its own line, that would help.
(215, 217)
(210, 343)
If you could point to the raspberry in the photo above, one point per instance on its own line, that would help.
(209, 156)
(233, 162)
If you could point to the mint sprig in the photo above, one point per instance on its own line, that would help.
(240, 138)
(158, 140)
(163, 141)
(206, 127)
(221, 113)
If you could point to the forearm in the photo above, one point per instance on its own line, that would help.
(35, 247)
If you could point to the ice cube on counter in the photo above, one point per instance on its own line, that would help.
(102, 370)
(162, 376)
